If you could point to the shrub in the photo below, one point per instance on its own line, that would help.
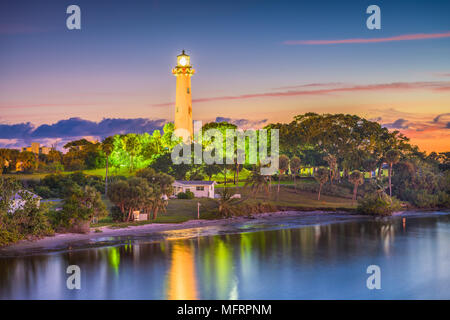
(60, 186)
(44, 192)
(54, 167)
(181, 195)
(421, 184)
(33, 220)
(186, 195)
(190, 194)
(378, 204)
(29, 221)
(78, 210)
(117, 215)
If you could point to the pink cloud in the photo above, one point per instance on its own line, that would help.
(436, 86)
(310, 85)
(417, 36)
(441, 74)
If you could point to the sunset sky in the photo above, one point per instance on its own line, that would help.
(256, 62)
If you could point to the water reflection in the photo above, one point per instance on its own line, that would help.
(182, 278)
(314, 262)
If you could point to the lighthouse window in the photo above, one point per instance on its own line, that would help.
(188, 90)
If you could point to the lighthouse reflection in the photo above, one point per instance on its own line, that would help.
(182, 278)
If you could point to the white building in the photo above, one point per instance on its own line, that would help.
(200, 189)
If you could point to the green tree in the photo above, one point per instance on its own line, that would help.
(107, 148)
(211, 169)
(295, 164)
(29, 220)
(8, 188)
(28, 160)
(80, 207)
(283, 166)
(392, 157)
(356, 178)
(131, 195)
(369, 164)
(332, 164)
(222, 127)
(118, 194)
(162, 188)
(8, 159)
(55, 156)
(132, 147)
(321, 175)
(257, 181)
(226, 202)
(168, 140)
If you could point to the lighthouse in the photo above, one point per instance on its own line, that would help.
(183, 101)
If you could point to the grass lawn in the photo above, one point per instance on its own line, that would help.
(27, 176)
(178, 210)
(111, 172)
(181, 210)
(301, 200)
(94, 172)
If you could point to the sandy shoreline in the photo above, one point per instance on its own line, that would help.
(68, 241)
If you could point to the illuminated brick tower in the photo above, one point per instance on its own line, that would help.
(183, 101)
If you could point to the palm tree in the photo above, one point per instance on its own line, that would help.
(357, 178)
(257, 182)
(321, 175)
(237, 169)
(283, 166)
(369, 165)
(107, 148)
(226, 202)
(295, 166)
(332, 163)
(392, 157)
(132, 146)
(211, 169)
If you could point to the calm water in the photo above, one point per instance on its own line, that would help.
(250, 261)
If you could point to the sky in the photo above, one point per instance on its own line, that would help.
(256, 61)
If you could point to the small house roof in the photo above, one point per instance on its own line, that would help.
(195, 182)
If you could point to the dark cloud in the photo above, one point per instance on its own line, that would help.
(438, 117)
(77, 127)
(447, 126)
(397, 124)
(242, 122)
(16, 131)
